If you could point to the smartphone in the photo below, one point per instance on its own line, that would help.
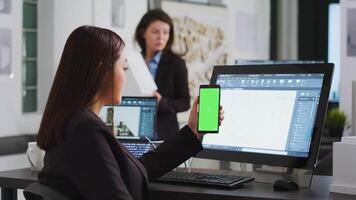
(208, 109)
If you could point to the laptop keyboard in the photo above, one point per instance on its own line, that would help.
(137, 149)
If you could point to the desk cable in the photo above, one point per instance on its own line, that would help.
(153, 145)
(190, 164)
(242, 167)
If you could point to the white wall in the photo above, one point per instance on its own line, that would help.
(46, 69)
(57, 19)
(257, 11)
(10, 88)
(135, 9)
(68, 15)
(348, 69)
(287, 33)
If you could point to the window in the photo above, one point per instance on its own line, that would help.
(334, 48)
(29, 57)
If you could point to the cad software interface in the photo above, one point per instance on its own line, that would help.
(267, 113)
(133, 118)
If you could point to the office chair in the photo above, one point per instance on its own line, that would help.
(37, 191)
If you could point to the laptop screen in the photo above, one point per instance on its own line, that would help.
(135, 117)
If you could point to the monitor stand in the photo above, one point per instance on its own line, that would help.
(271, 174)
(287, 183)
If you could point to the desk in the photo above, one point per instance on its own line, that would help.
(12, 180)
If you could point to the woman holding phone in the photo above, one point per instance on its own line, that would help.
(83, 159)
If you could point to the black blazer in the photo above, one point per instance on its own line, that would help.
(91, 164)
(172, 82)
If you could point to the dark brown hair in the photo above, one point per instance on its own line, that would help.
(150, 17)
(87, 59)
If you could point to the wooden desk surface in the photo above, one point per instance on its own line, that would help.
(19, 179)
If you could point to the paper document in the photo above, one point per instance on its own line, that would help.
(139, 79)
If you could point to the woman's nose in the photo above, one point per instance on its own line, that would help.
(160, 35)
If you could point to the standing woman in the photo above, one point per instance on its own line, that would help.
(155, 35)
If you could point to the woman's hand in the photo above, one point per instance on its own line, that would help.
(193, 117)
(158, 96)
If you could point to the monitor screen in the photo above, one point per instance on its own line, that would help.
(269, 110)
(135, 117)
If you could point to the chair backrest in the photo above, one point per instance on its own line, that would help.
(37, 191)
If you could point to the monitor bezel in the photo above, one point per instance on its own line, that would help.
(270, 159)
(154, 120)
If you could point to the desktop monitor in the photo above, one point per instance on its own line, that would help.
(274, 114)
(134, 118)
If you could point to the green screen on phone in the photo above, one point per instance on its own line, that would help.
(209, 109)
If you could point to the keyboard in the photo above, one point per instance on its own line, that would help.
(137, 149)
(214, 180)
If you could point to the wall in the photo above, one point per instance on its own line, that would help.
(10, 88)
(135, 9)
(256, 11)
(46, 69)
(287, 33)
(57, 25)
(57, 19)
(348, 63)
(11, 117)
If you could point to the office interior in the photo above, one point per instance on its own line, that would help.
(33, 33)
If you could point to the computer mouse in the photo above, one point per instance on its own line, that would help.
(285, 185)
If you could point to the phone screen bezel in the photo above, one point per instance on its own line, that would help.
(202, 87)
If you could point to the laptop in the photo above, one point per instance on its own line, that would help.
(133, 122)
